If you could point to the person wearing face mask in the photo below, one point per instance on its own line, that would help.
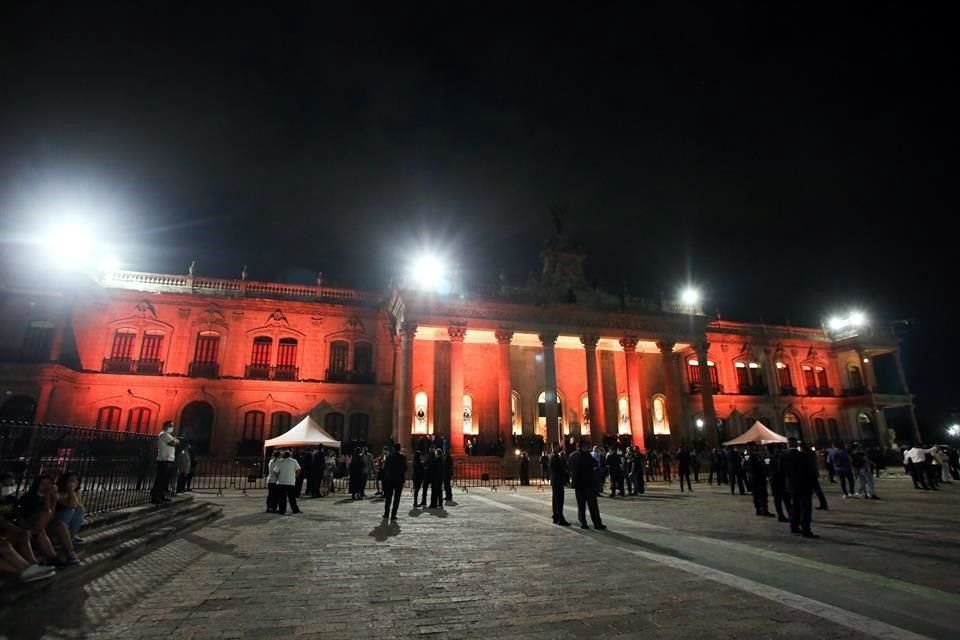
(166, 454)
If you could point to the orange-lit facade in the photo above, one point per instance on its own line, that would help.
(232, 362)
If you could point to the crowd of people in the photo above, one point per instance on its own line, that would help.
(39, 528)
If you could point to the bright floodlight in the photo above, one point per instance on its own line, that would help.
(954, 430)
(836, 323)
(109, 264)
(69, 245)
(858, 318)
(690, 296)
(428, 272)
(699, 423)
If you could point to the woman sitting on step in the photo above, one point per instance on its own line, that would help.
(69, 509)
(38, 507)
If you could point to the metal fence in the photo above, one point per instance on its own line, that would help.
(116, 469)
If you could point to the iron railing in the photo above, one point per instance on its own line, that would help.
(204, 370)
(266, 372)
(116, 469)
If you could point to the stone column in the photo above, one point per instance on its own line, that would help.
(671, 390)
(395, 381)
(549, 341)
(457, 333)
(706, 393)
(773, 379)
(504, 385)
(403, 429)
(43, 403)
(637, 411)
(598, 422)
(900, 373)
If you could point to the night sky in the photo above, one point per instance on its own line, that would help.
(790, 158)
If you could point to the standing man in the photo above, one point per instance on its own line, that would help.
(615, 468)
(166, 454)
(683, 468)
(272, 495)
(800, 473)
(447, 477)
(778, 482)
(735, 469)
(367, 471)
(287, 471)
(639, 462)
(436, 472)
(394, 475)
(757, 472)
(558, 481)
(582, 467)
(419, 473)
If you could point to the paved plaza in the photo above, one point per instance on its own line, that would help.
(492, 565)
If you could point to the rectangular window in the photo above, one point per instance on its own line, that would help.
(287, 353)
(359, 427)
(208, 347)
(253, 425)
(363, 358)
(108, 418)
(693, 373)
(261, 352)
(37, 342)
(714, 377)
(743, 377)
(151, 349)
(808, 378)
(784, 377)
(822, 378)
(338, 361)
(138, 420)
(279, 423)
(123, 344)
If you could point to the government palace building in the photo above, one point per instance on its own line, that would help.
(234, 361)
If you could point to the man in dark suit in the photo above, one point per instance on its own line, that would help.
(447, 477)
(394, 475)
(800, 476)
(437, 473)
(735, 468)
(558, 481)
(583, 470)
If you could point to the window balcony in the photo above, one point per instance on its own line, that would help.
(855, 391)
(148, 367)
(204, 370)
(350, 377)
(753, 390)
(263, 372)
(788, 390)
(822, 392)
(695, 388)
(117, 365)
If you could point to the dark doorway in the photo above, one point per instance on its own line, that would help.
(196, 425)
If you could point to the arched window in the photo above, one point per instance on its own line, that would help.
(37, 341)
(259, 367)
(820, 432)
(661, 421)
(515, 417)
(815, 379)
(421, 418)
(856, 379)
(623, 416)
(151, 352)
(337, 368)
(584, 417)
(253, 425)
(138, 420)
(834, 429)
(693, 375)
(469, 424)
(206, 356)
(108, 418)
(541, 427)
(333, 424)
(287, 359)
(868, 430)
(359, 427)
(279, 423)
(791, 425)
(785, 379)
(363, 362)
(749, 377)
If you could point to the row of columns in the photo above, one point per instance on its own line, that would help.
(598, 423)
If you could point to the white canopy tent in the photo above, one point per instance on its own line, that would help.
(306, 433)
(757, 433)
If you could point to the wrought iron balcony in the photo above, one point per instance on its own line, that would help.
(264, 372)
(823, 392)
(788, 390)
(350, 377)
(753, 390)
(696, 387)
(204, 370)
(117, 365)
(148, 367)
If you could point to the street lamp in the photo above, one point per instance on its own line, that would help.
(852, 320)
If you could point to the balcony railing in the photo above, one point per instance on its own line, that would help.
(788, 390)
(117, 365)
(126, 365)
(696, 387)
(855, 391)
(263, 372)
(204, 370)
(350, 377)
(753, 390)
(823, 392)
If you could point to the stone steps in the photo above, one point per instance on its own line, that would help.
(115, 538)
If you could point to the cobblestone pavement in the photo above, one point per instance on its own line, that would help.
(492, 565)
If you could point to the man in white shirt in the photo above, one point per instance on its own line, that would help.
(166, 454)
(916, 459)
(287, 471)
